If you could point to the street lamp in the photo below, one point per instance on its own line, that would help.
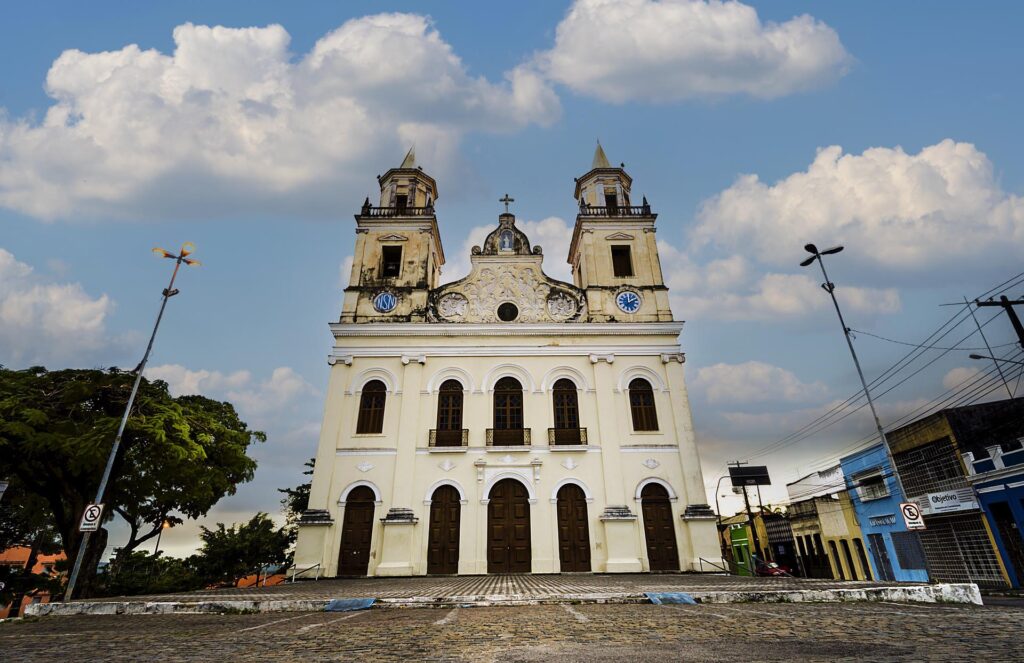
(182, 258)
(164, 525)
(830, 288)
(1008, 361)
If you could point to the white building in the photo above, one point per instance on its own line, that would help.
(506, 422)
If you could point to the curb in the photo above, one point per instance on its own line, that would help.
(950, 593)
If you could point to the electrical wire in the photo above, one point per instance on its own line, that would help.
(927, 347)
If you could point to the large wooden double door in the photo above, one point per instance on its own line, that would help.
(356, 532)
(443, 535)
(508, 528)
(659, 528)
(573, 530)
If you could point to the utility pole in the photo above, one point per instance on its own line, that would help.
(750, 517)
(1007, 305)
(988, 347)
(169, 291)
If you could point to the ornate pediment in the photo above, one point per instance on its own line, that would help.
(619, 235)
(393, 238)
(507, 285)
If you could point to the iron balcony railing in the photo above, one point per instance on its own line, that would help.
(458, 437)
(616, 210)
(508, 437)
(389, 212)
(567, 436)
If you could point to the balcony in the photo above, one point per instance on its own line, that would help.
(567, 436)
(448, 439)
(508, 437)
(616, 210)
(391, 212)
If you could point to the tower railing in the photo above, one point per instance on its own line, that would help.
(391, 212)
(615, 210)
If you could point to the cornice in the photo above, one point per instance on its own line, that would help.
(407, 329)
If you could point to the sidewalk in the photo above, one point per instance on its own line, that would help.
(516, 590)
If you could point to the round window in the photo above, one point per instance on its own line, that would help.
(508, 312)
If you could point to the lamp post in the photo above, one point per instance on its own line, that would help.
(186, 249)
(1008, 361)
(164, 525)
(830, 288)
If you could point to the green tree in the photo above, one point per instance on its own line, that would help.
(232, 553)
(178, 455)
(296, 500)
(25, 521)
(145, 573)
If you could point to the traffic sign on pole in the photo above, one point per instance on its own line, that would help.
(912, 516)
(91, 518)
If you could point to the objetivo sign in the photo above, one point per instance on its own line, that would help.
(949, 501)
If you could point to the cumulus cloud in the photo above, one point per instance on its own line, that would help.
(45, 322)
(959, 376)
(254, 399)
(754, 382)
(553, 234)
(671, 50)
(233, 123)
(898, 211)
(736, 289)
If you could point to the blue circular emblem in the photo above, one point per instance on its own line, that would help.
(385, 302)
(628, 301)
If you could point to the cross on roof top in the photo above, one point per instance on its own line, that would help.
(506, 200)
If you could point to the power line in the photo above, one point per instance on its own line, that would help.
(926, 347)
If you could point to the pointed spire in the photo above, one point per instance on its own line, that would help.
(410, 158)
(600, 160)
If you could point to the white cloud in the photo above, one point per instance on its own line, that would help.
(257, 400)
(241, 125)
(735, 289)
(670, 50)
(43, 322)
(553, 234)
(754, 382)
(958, 376)
(902, 212)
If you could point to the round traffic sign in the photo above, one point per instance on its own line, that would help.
(92, 514)
(911, 511)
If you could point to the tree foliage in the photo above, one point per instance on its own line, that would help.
(146, 573)
(296, 500)
(178, 455)
(231, 553)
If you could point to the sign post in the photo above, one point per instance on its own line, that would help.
(912, 516)
(91, 518)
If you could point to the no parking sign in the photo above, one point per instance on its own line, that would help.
(912, 515)
(91, 518)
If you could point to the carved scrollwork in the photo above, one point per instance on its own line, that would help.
(452, 305)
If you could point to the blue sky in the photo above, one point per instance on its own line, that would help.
(722, 116)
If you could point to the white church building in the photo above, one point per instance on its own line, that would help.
(506, 422)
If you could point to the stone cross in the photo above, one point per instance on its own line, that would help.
(506, 200)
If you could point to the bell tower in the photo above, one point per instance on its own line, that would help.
(398, 255)
(614, 251)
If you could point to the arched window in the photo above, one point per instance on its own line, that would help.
(641, 403)
(567, 413)
(371, 408)
(508, 412)
(449, 414)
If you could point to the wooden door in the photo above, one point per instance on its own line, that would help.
(508, 528)
(573, 530)
(659, 528)
(443, 536)
(356, 531)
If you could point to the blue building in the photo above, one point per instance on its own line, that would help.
(997, 475)
(896, 554)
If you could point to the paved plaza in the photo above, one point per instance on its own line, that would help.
(564, 632)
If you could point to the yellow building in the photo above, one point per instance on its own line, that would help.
(508, 421)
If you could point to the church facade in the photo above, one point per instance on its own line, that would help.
(507, 422)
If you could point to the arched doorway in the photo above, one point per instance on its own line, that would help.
(573, 530)
(356, 532)
(659, 528)
(443, 536)
(508, 528)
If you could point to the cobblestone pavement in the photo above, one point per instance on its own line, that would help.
(526, 585)
(815, 632)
